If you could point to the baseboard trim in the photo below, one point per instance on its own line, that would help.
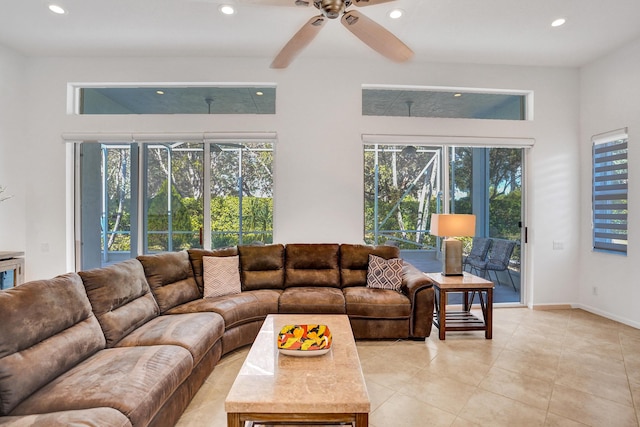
(552, 307)
(609, 316)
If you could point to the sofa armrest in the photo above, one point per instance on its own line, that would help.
(419, 288)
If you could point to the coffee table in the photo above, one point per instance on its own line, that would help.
(273, 388)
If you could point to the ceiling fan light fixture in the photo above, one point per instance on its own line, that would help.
(227, 9)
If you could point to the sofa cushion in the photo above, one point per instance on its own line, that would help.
(221, 276)
(312, 300)
(354, 261)
(121, 298)
(384, 273)
(47, 327)
(312, 265)
(137, 381)
(196, 332)
(170, 278)
(94, 417)
(195, 257)
(376, 303)
(262, 267)
(238, 309)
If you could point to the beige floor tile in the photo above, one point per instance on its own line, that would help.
(461, 422)
(405, 411)
(589, 409)
(554, 420)
(540, 364)
(477, 350)
(598, 383)
(448, 365)
(608, 348)
(444, 393)
(523, 388)
(583, 363)
(529, 340)
(378, 394)
(410, 353)
(204, 413)
(386, 373)
(490, 409)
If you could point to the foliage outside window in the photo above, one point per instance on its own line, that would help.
(400, 192)
(500, 179)
(175, 189)
(610, 192)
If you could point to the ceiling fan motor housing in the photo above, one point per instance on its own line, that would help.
(332, 9)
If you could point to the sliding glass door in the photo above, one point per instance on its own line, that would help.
(487, 182)
(137, 198)
(405, 184)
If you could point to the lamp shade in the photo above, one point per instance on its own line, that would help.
(458, 225)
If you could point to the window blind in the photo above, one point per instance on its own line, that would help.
(610, 190)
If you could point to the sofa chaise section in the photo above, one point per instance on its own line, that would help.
(53, 360)
(130, 318)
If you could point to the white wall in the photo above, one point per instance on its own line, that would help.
(12, 150)
(610, 94)
(319, 182)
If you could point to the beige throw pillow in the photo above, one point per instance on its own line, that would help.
(384, 273)
(221, 276)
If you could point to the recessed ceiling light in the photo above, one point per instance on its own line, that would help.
(457, 95)
(396, 13)
(558, 22)
(57, 9)
(227, 9)
(259, 93)
(160, 92)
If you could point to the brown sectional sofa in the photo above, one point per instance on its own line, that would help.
(130, 344)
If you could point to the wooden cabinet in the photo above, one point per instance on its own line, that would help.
(11, 269)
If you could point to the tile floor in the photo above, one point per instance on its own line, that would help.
(542, 368)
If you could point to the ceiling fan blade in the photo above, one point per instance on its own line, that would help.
(361, 3)
(376, 36)
(298, 42)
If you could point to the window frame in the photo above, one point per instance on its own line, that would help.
(609, 187)
(137, 143)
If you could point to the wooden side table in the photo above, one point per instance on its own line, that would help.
(469, 285)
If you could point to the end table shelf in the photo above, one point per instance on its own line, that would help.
(463, 320)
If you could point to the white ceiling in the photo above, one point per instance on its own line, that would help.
(472, 31)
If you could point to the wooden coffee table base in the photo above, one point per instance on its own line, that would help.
(238, 419)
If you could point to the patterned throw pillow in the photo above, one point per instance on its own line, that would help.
(384, 273)
(221, 276)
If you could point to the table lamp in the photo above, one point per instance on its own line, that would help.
(450, 226)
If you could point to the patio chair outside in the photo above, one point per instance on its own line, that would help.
(497, 260)
(479, 250)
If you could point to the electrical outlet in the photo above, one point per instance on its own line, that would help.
(558, 245)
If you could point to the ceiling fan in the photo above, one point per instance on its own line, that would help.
(370, 32)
